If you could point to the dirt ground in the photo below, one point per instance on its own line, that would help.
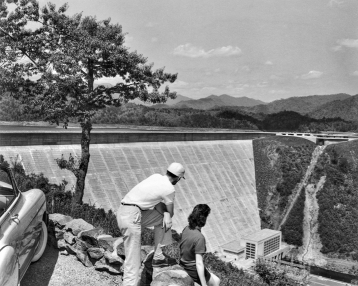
(54, 269)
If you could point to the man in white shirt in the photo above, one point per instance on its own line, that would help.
(150, 203)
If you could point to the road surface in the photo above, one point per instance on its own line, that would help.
(321, 281)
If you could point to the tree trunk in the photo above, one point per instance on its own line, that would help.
(85, 157)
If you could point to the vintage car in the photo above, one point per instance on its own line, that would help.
(23, 228)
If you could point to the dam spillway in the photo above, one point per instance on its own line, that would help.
(219, 173)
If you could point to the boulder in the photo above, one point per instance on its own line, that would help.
(81, 245)
(120, 250)
(64, 252)
(69, 237)
(95, 252)
(104, 236)
(59, 220)
(90, 236)
(77, 225)
(109, 243)
(83, 257)
(71, 249)
(113, 258)
(102, 264)
(59, 233)
(60, 244)
(173, 276)
(145, 251)
(146, 272)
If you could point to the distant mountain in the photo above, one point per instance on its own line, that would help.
(302, 104)
(217, 101)
(346, 109)
(178, 99)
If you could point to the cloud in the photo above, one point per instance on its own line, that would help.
(311, 75)
(355, 73)
(191, 51)
(179, 84)
(349, 43)
(269, 63)
(154, 39)
(333, 3)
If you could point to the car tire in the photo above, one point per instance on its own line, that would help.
(42, 243)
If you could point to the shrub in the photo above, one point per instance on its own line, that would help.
(273, 275)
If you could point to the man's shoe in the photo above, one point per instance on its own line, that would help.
(166, 262)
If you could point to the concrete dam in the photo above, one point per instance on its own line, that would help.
(219, 172)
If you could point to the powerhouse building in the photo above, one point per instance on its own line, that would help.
(264, 243)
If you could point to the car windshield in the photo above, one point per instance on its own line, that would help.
(7, 193)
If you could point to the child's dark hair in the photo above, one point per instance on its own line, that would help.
(198, 216)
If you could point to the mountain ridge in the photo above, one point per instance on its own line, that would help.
(213, 101)
(346, 109)
(299, 104)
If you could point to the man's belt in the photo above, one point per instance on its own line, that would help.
(133, 205)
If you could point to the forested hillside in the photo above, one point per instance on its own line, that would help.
(302, 104)
(223, 117)
(280, 164)
(338, 199)
(346, 109)
(213, 101)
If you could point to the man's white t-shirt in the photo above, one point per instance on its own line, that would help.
(148, 193)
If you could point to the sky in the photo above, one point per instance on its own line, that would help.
(262, 49)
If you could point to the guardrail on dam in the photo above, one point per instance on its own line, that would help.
(219, 172)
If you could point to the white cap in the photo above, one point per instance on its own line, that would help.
(176, 169)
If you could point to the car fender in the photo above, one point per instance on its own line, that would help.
(9, 266)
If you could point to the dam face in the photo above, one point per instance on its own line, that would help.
(219, 173)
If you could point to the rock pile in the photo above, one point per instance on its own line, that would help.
(103, 252)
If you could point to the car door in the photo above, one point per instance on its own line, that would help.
(27, 215)
(9, 242)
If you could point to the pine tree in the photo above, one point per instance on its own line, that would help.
(66, 54)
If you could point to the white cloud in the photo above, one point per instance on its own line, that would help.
(349, 43)
(191, 51)
(179, 84)
(355, 73)
(269, 63)
(333, 3)
(154, 39)
(311, 75)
